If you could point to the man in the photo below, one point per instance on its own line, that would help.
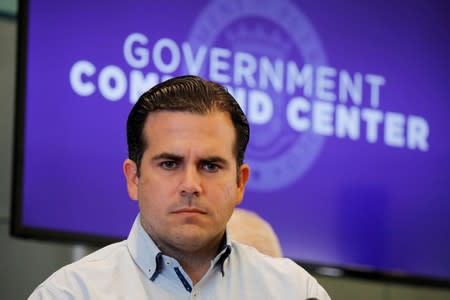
(186, 143)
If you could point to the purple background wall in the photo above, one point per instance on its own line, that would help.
(332, 199)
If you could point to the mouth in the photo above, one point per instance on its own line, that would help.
(189, 211)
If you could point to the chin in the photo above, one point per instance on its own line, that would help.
(191, 240)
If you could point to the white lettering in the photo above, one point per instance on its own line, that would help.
(175, 57)
(347, 122)
(140, 84)
(80, 68)
(417, 133)
(325, 84)
(269, 72)
(375, 82)
(194, 63)
(140, 58)
(373, 118)
(112, 83)
(394, 129)
(218, 65)
(349, 87)
(240, 94)
(260, 107)
(299, 79)
(296, 105)
(244, 69)
(322, 117)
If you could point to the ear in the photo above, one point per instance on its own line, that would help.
(130, 172)
(244, 173)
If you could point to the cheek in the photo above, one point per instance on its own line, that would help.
(149, 193)
(229, 191)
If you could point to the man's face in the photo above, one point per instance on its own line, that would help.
(187, 188)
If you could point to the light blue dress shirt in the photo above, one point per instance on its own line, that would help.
(136, 269)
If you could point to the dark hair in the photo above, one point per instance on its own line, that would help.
(187, 94)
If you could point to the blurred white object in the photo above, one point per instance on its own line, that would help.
(249, 228)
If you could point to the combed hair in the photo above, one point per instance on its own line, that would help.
(185, 94)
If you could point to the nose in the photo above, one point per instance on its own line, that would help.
(190, 184)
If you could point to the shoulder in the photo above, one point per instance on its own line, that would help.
(73, 279)
(105, 257)
(280, 273)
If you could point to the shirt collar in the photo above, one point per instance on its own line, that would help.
(143, 250)
(223, 253)
(149, 258)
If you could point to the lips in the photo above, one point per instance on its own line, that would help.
(189, 210)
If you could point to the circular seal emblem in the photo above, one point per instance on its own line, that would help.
(275, 34)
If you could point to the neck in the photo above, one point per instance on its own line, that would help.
(195, 262)
(194, 265)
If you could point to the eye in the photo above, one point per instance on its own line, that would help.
(210, 167)
(168, 165)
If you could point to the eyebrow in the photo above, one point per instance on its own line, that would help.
(169, 156)
(215, 159)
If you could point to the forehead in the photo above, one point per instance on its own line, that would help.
(210, 132)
